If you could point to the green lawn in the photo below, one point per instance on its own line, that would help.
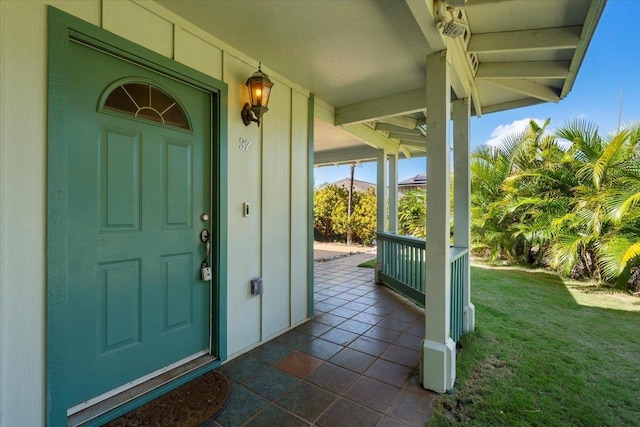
(368, 264)
(546, 353)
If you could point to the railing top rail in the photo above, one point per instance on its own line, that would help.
(457, 252)
(404, 240)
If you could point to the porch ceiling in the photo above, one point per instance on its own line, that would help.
(365, 59)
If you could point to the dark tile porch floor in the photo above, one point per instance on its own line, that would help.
(354, 364)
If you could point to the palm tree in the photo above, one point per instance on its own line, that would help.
(591, 237)
(518, 188)
(570, 200)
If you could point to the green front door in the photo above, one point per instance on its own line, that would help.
(139, 187)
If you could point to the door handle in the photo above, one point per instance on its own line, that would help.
(205, 237)
(205, 270)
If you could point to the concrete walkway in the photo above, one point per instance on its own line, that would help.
(327, 251)
(354, 364)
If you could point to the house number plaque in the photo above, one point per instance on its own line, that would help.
(245, 145)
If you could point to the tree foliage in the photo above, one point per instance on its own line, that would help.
(570, 200)
(330, 214)
(412, 213)
(328, 202)
(364, 217)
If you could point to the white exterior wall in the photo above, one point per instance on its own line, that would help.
(272, 177)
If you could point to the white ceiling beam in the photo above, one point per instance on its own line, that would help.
(372, 138)
(523, 70)
(405, 151)
(424, 15)
(462, 79)
(473, 3)
(511, 41)
(360, 154)
(415, 146)
(529, 88)
(401, 121)
(345, 155)
(373, 109)
(410, 138)
(386, 127)
(324, 111)
(526, 102)
(475, 99)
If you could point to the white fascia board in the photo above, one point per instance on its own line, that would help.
(373, 109)
(591, 21)
(523, 70)
(513, 41)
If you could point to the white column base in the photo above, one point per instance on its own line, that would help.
(378, 267)
(438, 365)
(470, 318)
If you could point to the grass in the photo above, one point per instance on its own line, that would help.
(368, 264)
(546, 353)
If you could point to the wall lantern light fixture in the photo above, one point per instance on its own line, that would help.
(259, 90)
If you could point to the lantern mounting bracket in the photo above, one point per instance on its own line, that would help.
(248, 115)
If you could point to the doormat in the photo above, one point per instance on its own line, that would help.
(189, 405)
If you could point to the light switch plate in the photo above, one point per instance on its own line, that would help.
(256, 286)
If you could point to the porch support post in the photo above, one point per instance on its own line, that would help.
(393, 193)
(438, 349)
(462, 198)
(381, 190)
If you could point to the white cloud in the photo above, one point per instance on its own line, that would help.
(512, 128)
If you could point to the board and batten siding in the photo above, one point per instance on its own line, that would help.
(271, 176)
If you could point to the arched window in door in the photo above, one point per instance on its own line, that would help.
(146, 101)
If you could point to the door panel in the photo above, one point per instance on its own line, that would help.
(135, 301)
(119, 184)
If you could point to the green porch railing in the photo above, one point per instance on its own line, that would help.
(403, 270)
(459, 262)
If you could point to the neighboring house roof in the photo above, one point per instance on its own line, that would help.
(417, 181)
(361, 186)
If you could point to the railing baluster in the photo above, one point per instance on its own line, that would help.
(403, 268)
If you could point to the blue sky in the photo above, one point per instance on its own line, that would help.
(611, 63)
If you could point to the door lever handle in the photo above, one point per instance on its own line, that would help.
(205, 237)
(205, 270)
